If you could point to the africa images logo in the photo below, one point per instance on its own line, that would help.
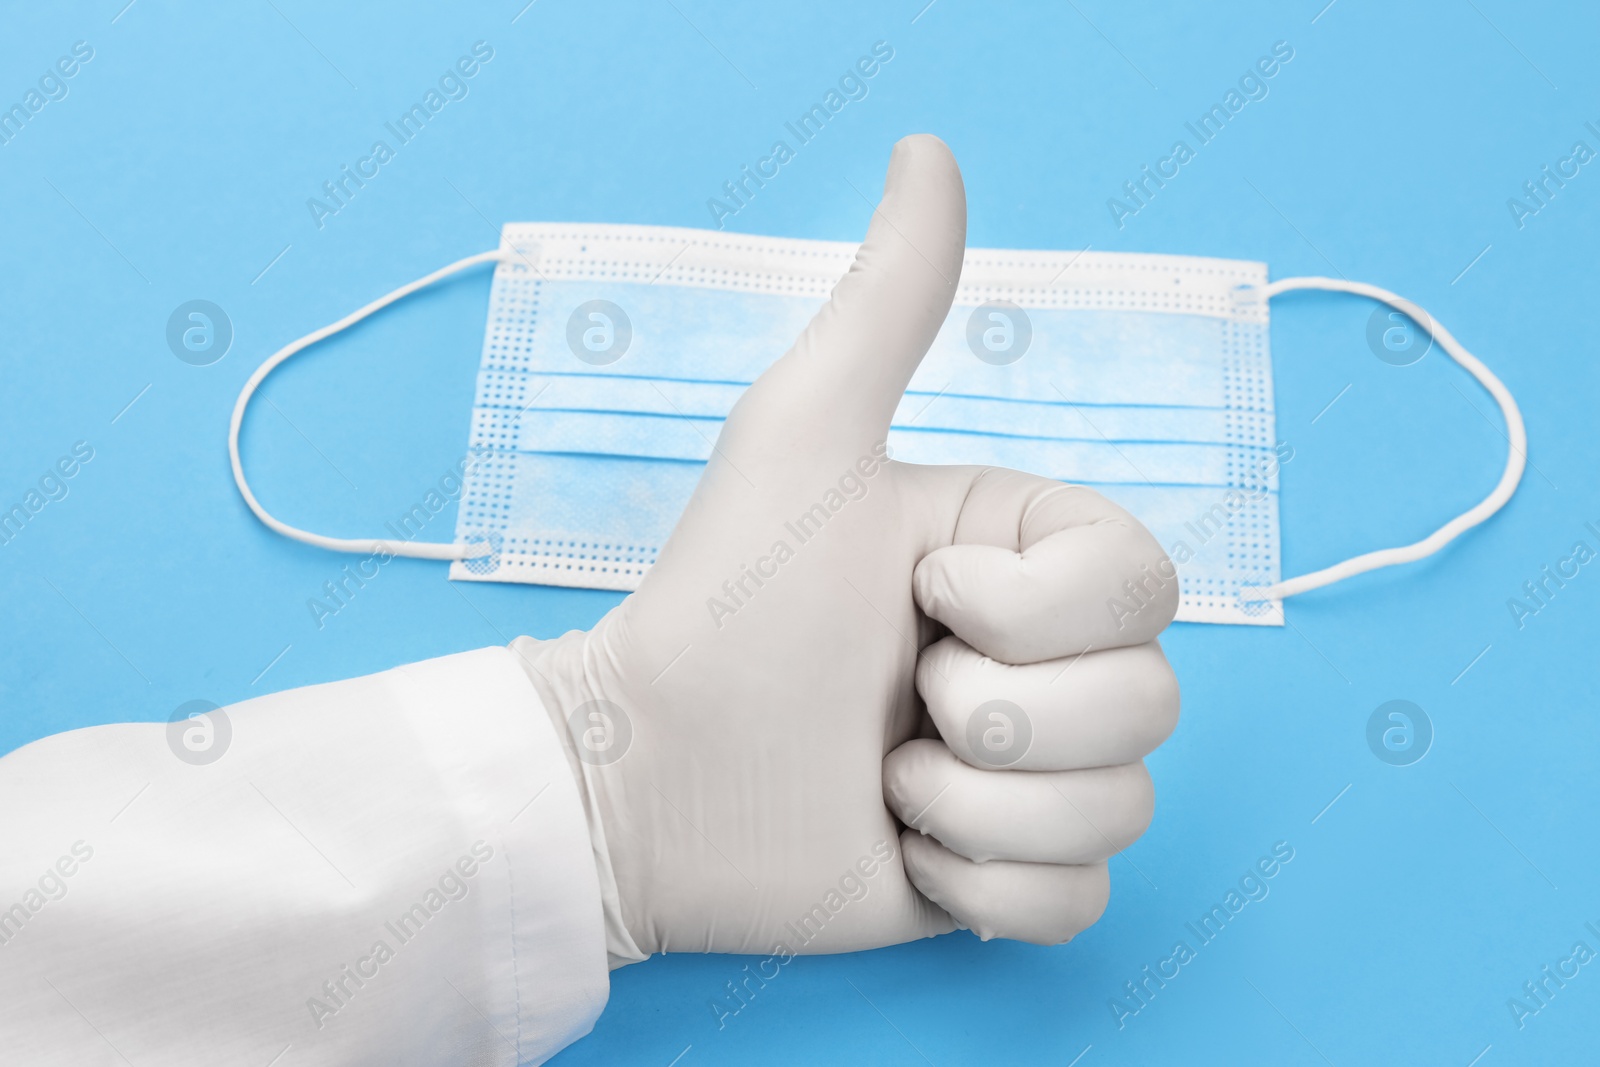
(452, 86)
(453, 884)
(852, 85)
(1252, 888)
(1252, 88)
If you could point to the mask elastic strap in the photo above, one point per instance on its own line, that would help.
(1516, 458)
(367, 546)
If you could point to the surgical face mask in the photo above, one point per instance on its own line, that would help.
(613, 354)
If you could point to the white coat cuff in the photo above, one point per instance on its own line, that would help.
(232, 911)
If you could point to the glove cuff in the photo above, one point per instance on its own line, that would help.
(621, 949)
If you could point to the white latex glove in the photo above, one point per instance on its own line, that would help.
(779, 741)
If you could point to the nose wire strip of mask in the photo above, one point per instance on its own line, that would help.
(1516, 433)
(367, 546)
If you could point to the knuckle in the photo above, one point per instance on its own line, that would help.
(1141, 803)
(1097, 894)
(1161, 698)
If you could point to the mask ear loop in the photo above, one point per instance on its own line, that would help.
(366, 546)
(1516, 458)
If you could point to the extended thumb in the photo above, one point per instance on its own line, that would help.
(844, 376)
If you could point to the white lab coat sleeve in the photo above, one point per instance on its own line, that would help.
(390, 870)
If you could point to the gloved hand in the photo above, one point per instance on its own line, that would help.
(832, 641)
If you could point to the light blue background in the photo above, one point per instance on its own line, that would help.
(179, 166)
